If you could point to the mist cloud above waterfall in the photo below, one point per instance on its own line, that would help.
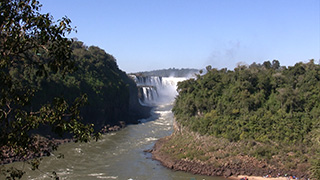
(168, 91)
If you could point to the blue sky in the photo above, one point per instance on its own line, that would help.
(156, 34)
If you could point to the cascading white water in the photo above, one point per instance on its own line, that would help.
(147, 80)
(149, 93)
(154, 89)
(168, 89)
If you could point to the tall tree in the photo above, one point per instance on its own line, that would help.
(34, 42)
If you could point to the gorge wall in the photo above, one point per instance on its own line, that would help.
(112, 96)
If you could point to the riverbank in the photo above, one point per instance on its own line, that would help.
(213, 157)
(45, 146)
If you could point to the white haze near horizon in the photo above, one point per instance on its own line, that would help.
(168, 91)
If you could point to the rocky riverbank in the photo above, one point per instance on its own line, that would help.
(175, 156)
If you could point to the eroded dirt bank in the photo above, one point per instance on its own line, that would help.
(190, 155)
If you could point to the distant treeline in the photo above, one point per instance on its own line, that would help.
(171, 72)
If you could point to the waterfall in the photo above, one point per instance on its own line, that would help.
(156, 89)
(150, 93)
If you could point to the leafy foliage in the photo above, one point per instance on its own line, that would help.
(263, 102)
(45, 80)
(99, 78)
(267, 103)
(32, 45)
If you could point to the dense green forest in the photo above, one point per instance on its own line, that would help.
(184, 72)
(267, 103)
(111, 94)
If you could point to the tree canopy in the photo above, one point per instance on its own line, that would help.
(34, 50)
(265, 102)
(33, 44)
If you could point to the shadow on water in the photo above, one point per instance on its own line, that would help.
(118, 155)
(153, 117)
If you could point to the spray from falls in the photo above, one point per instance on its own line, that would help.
(155, 90)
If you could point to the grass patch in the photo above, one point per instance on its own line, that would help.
(219, 151)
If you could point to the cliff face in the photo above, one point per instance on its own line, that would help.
(116, 100)
(125, 107)
(136, 110)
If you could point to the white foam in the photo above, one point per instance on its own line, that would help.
(161, 123)
(111, 134)
(78, 150)
(96, 174)
(107, 177)
(102, 176)
(150, 139)
(62, 172)
(163, 112)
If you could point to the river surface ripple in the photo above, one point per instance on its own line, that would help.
(117, 155)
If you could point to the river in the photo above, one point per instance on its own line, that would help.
(120, 155)
(117, 155)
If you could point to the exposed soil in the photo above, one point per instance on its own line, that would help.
(244, 165)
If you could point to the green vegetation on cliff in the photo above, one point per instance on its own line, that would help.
(268, 104)
(96, 75)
